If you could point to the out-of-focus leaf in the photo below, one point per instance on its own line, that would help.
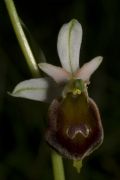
(37, 51)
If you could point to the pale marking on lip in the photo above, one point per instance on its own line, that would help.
(82, 129)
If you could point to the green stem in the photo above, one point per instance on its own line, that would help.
(57, 166)
(58, 169)
(22, 38)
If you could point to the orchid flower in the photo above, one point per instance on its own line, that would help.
(74, 123)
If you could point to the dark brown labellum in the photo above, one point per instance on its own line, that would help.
(75, 128)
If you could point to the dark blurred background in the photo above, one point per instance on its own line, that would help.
(23, 152)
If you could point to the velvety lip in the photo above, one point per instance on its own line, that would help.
(75, 128)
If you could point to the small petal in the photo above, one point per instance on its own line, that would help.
(57, 73)
(88, 69)
(35, 89)
(69, 42)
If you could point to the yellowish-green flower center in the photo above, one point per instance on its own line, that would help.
(76, 91)
(75, 86)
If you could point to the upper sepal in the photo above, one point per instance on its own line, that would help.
(68, 45)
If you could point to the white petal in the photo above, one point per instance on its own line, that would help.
(57, 73)
(69, 42)
(88, 69)
(35, 89)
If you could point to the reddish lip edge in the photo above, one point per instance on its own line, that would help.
(50, 134)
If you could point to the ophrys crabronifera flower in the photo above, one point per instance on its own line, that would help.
(74, 123)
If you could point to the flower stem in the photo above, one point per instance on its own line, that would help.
(57, 166)
(58, 169)
(22, 38)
